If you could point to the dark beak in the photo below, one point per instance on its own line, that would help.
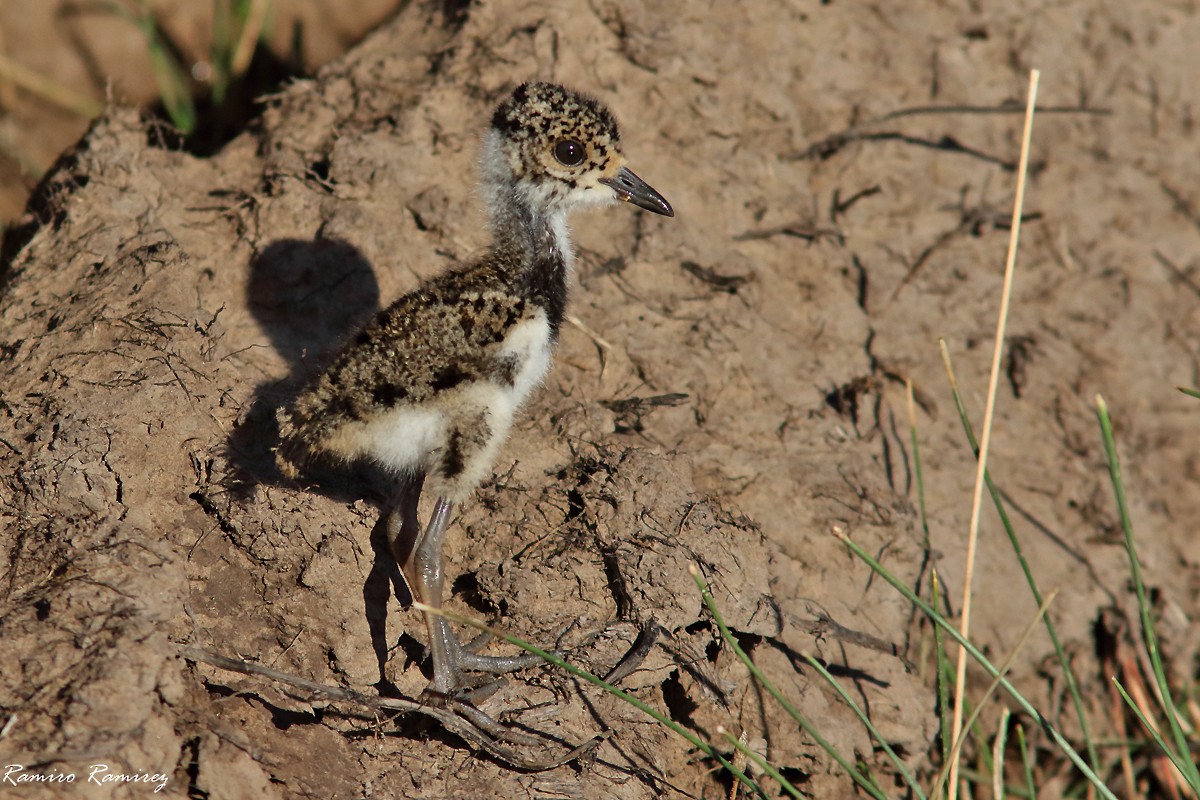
(632, 189)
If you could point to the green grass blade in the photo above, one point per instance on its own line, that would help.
(942, 667)
(972, 723)
(1192, 392)
(220, 51)
(945, 677)
(1181, 764)
(917, 471)
(596, 680)
(998, 746)
(1182, 751)
(1026, 762)
(1060, 652)
(867, 785)
(1026, 791)
(237, 28)
(252, 23)
(171, 78)
(172, 85)
(979, 657)
(762, 763)
(862, 717)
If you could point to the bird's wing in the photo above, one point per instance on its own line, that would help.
(428, 341)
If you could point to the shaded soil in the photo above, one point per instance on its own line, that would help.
(842, 180)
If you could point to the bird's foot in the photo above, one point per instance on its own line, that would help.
(536, 750)
(457, 695)
(498, 739)
(471, 661)
(456, 659)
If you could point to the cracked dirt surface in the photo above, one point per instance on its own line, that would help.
(731, 389)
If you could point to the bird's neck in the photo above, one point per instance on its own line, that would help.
(531, 242)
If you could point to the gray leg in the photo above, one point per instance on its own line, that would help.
(426, 579)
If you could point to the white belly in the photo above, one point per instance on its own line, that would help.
(407, 438)
(402, 438)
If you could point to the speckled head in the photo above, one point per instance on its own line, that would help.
(562, 150)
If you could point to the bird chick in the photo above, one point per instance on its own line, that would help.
(427, 391)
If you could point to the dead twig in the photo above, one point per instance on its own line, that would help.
(459, 725)
(721, 283)
(807, 231)
(1007, 107)
(829, 146)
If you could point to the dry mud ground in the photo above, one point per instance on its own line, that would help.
(842, 202)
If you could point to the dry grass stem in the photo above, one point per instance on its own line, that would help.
(993, 382)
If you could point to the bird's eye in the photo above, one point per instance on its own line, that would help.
(569, 154)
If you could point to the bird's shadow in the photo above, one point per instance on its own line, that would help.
(310, 296)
